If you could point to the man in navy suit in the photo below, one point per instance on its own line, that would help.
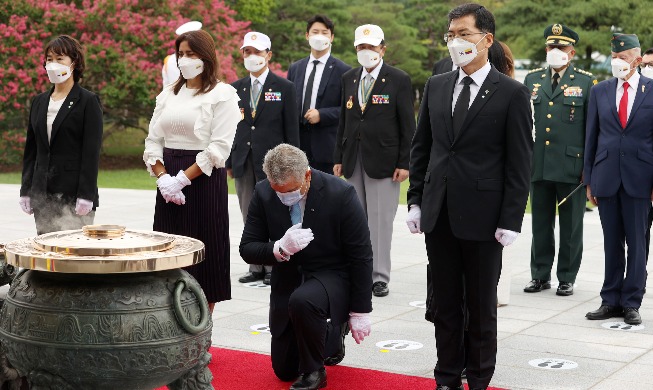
(317, 79)
(267, 105)
(618, 171)
(312, 229)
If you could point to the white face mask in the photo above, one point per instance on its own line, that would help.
(463, 52)
(647, 71)
(368, 58)
(319, 42)
(620, 68)
(58, 73)
(190, 67)
(557, 58)
(254, 63)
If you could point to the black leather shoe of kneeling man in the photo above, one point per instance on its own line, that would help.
(311, 381)
(251, 277)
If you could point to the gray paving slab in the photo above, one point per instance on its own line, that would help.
(540, 325)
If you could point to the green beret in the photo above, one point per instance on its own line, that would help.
(621, 42)
(560, 35)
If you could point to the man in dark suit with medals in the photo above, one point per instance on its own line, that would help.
(267, 104)
(377, 122)
(311, 228)
(469, 180)
(317, 79)
(560, 94)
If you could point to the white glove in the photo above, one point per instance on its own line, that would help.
(83, 207)
(295, 239)
(360, 325)
(505, 237)
(171, 187)
(414, 218)
(26, 204)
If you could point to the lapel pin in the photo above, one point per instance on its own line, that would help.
(270, 90)
(483, 97)
(383, 80)
(331, 66)
(487, 91)
(244, 89)
(643, 87)
(354, 81)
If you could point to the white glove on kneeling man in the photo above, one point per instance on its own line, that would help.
(25, 203)
(413, 219)
(294, 240)
(83, 207)
(505, 237)
(360, 325)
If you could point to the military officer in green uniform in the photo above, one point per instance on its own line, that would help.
(560, 94)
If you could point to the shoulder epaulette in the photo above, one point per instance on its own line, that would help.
(581, 71)
(536, 70)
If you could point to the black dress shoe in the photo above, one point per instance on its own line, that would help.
(380, 289)
(631, 316)
(251, 277)
(267, 278)
(605, 312)
(443, 387)
(337, 358)
(537, 285)
(565, 289)
(314, 380)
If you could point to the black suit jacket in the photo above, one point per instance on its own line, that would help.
(69, 163)
(275, 123)
(340, 255)
(443, 66)
(383, 131)
(485, 171)
(327, 102)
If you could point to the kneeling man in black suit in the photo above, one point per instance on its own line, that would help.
(311, 227)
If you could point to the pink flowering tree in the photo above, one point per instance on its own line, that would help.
(125, 41)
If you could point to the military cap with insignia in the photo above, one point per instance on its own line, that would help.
(560, 35)
(621, 42)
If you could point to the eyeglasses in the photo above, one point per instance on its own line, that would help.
(450, 37)
(645, 64)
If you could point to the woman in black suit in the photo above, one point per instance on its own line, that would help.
(62, 150)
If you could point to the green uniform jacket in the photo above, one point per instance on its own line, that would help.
(559, 123)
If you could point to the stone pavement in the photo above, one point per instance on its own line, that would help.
(576, 353)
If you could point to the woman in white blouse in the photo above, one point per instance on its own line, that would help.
(190, 137)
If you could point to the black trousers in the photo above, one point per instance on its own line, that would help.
(305, 145)
(309, 338)
(463, 272)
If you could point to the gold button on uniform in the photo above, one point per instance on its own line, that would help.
(546, 143)
(550, 103)
(548, 129)
(548, 116)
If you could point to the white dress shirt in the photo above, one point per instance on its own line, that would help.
(478, 77)
(633, 83)
(261, 79)
(375, 75)
(319, 70)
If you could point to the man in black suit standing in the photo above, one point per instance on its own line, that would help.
(317, 79)
(377, 122)
(267, 105)
(311, 227)
(469, 182)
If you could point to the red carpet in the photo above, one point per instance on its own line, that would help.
(247, 370)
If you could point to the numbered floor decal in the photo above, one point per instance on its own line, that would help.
(420, 304)
(258, 284)
(553, 364)
(260, 328)
(621, 326)
(398, 345)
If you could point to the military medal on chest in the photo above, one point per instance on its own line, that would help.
(350, 103)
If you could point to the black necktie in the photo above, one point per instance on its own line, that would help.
(462, 106)
(554, 85)
(309, 91)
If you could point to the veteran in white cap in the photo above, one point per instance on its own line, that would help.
(170, 71)
(269, 112)
(377, 123)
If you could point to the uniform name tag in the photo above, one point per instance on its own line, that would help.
(573, 92)
(380, 99)
(273, 96)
